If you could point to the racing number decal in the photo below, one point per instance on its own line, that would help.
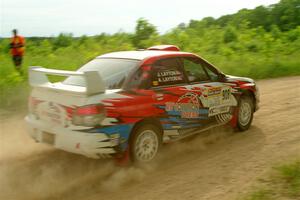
(218, 99)
(226, 94)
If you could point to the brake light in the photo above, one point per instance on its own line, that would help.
(69, 111)
(90, 110)
(89, 115)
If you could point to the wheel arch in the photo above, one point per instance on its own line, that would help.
(249, 93)
(150, 120)
(144, 122)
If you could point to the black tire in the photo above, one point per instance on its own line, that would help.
(145, 143)
(245, 113)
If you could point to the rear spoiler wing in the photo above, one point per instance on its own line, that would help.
(94, 82)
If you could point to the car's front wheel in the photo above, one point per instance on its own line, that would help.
(145, 143)
(245, 113)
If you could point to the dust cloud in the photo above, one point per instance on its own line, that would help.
(30, 170)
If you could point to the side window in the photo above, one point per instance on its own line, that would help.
(140, 78)
(213, 75)
(195, 70)
(167, 72)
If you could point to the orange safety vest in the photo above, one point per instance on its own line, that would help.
(18, 46)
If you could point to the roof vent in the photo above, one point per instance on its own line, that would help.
(164, 48)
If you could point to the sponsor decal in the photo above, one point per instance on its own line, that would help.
(212, 91)
(218, 110)
(155, 83)
(187, 106)
(53, 107)
(53, 113)
(158, 96)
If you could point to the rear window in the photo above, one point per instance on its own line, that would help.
(113, 71)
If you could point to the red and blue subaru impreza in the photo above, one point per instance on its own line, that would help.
(131, 102)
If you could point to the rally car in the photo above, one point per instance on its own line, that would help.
(131, 102)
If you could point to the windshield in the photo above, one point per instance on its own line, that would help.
(113, 72)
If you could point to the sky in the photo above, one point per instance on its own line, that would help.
(92, 17)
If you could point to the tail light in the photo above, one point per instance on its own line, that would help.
(89, 115)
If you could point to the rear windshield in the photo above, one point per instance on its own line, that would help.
(113, 71)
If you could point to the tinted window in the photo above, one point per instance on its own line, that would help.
(140, 79)
(212, 74)
(113, 72)
(167, 72)
(195, 70)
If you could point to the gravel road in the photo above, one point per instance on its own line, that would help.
(217, 164)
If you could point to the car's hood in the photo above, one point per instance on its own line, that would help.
(230, 78)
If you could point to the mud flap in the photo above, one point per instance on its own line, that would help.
(234, 119)
(122, 159)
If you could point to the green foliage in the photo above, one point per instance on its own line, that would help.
(4, 46)
(290, 174)
(285, 15)
(63, 40)
(284, 183)
(261, 194)
(259, 43)
(145, 34)
(230, 34)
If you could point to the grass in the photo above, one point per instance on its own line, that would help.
(258, 67)
(284, 183)
(261, 194)
(248, 64)
(290, 175)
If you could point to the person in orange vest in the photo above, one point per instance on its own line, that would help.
(17, 48)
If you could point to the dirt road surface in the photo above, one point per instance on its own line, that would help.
(218, 164)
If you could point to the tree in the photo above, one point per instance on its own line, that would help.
(143, 32)
(286, 14)
(230, 34)
(260, 16)
(63, 40)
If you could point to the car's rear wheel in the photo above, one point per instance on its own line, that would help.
(145, 143)
(245, 113)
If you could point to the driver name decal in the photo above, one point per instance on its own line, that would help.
(169, 75)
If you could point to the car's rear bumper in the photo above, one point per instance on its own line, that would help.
(94, 145)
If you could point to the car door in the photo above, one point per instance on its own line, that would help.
(214, 95)
(168, 82)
